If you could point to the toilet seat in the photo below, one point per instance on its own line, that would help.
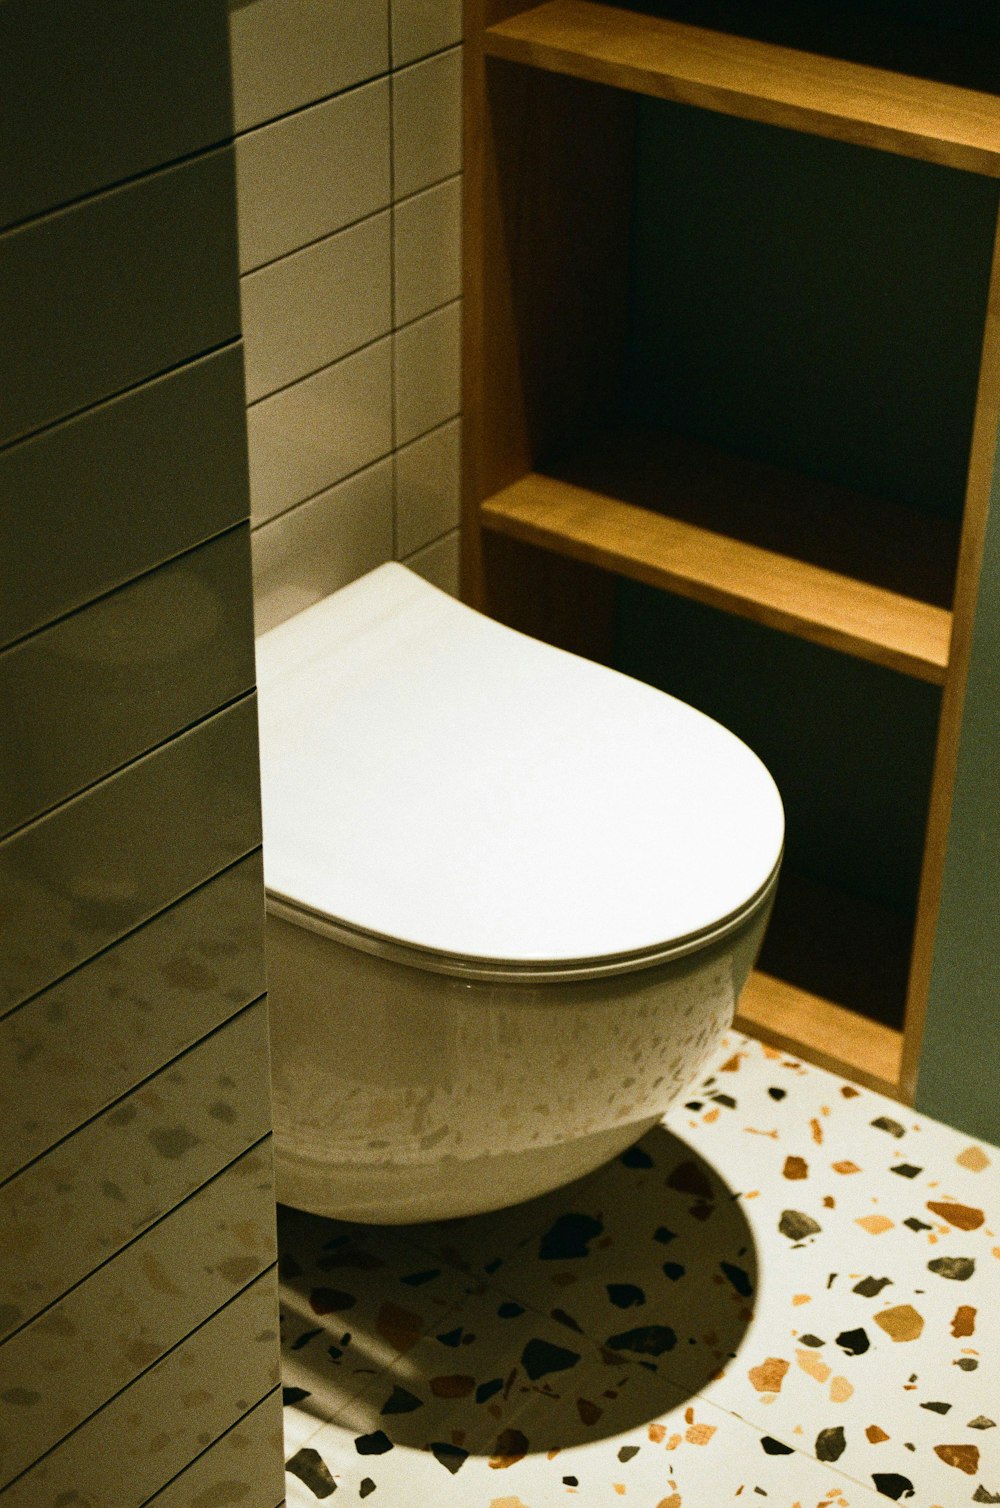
(443, 790)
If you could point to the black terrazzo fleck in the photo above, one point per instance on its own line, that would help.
(304, 1339)
(674, 1270)
(488, 1390)
(959, 1269)
(831, 1443)
(891, 1485)
(912, 1223)
(509, 1310)
(796, 1225)
(625, 1295)
(854, 1342)
(401, 1401)
(570, 1236)
(884, 1123)
(905, 1170)
(416, 1279)
(540, 1357)
(312, 1471)
(772, 1447)
(777, 1094)
(664, 1236)
(567, 1320)
(739, 1278)
(646, 1340)
(375, 1444)
(937, 1408)
(451, 1456)
(870, 1288)
(366, 1487)
(636, 1157)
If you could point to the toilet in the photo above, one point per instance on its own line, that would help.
(512, 898)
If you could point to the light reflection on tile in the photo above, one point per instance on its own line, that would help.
(147, 1434)
(131, 1165)
(136, 1006)
(130, 1312)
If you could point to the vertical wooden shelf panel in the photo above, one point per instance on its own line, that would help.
(549, 143)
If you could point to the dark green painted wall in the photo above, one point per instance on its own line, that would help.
(958, 1069)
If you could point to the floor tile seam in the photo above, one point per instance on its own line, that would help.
(480, 1448)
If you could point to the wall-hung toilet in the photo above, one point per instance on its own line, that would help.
(512, 899)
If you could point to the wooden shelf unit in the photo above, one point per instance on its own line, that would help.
(544, 315)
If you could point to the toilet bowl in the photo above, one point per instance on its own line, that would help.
(512, 897)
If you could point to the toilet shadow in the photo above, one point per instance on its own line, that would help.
(616, 1299)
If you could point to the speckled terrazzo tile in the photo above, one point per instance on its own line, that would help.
(653, 1256)
(352, 1299)
(509, 1410)
(879, 1283)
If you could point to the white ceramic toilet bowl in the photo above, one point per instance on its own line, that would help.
(512, 899)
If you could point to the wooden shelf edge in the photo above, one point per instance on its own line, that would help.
(804, 91)
(791, 1019)
(839, 612)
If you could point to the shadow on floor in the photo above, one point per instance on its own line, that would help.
(576, 1317)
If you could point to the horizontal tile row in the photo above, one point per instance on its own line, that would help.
(147, 1434)
(310, 174)
(131, 1165)
(311, 435)
(80, 878)
(111, 681)
(302, 312)
(71, 74)
(324, 543)
(105, 496)
(103, 295)
(420, 27)
(323, 48)
(95, 1035)
(130, 1312)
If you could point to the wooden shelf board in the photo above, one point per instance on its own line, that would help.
(804, 91)
(829, 1035)
(596, 510)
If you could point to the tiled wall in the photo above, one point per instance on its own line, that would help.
(348, 160)
(138, 1346)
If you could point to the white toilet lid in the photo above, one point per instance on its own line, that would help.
(435, 779)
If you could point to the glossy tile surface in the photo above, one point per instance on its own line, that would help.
(77, 335)
(308, 309)
(103, 497)
(131, 1165)
(789, 1291)
(113, 680)
(322, 545)
(311, 435)
(308, 174)
(242, 1469)
(129, 1011)
(152, 1430)
(134, 1309)
(166, 76)
(80, 878)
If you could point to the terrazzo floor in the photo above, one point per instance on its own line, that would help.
(789, 1292)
